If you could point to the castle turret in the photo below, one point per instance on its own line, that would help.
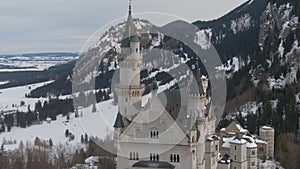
(130, 90)
(197, 108)
(130, 30)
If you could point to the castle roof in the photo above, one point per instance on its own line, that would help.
(225, 159)
(119, 121)
(130, 30)
(134, 38)
(154, 164)
(239, 139)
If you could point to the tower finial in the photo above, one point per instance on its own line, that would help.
(130, 1)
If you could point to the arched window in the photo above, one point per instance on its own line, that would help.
(133, 156)
(137, 156)
(154, 133)
(151, 157)
(130, 156)
(171, 158)
(157, 157)
(178, 158)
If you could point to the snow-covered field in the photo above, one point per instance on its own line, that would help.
(15, 95)
(32, 63)
(97, 124)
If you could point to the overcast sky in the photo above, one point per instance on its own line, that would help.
(65, 25)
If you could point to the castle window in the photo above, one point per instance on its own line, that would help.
(234, 157)
(154, 134)
(216, 147)
(234, 147)
(193, 139)
(133, 156)
(253, 163)
(137, 50)
(154, 157)
(253, 152)
(174, 158)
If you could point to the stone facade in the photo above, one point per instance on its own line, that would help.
(268, 135)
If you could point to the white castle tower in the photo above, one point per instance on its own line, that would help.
(197, 110)
(130, 90)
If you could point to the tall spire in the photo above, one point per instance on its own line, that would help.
(130, 29)
(130, 1)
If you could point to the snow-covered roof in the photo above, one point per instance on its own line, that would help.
(260, 141)
(237, 141)
(266, 128)
(225, 159)
(240, 128)
(242, 139)
(213, 138)
(92, 160)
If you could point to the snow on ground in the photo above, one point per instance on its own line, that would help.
(34, 63)
(248, 108)
(269, 165)
(98, 124)
(3, 82)
(234, 66)
(241, 24)
(15, 95)
(282, 81)
(203, 38)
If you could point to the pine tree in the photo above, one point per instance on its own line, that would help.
(67, 133)
(94, 108)
(50, 143)
(2, 147)
(82, 139)
(68, 117)
(86, 138)
(2, 128)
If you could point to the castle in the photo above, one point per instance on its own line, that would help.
(153, 137)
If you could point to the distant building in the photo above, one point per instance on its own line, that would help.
(268, 134)
(242, 150)
(238, 143)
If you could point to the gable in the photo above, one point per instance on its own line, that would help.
(154, 119)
